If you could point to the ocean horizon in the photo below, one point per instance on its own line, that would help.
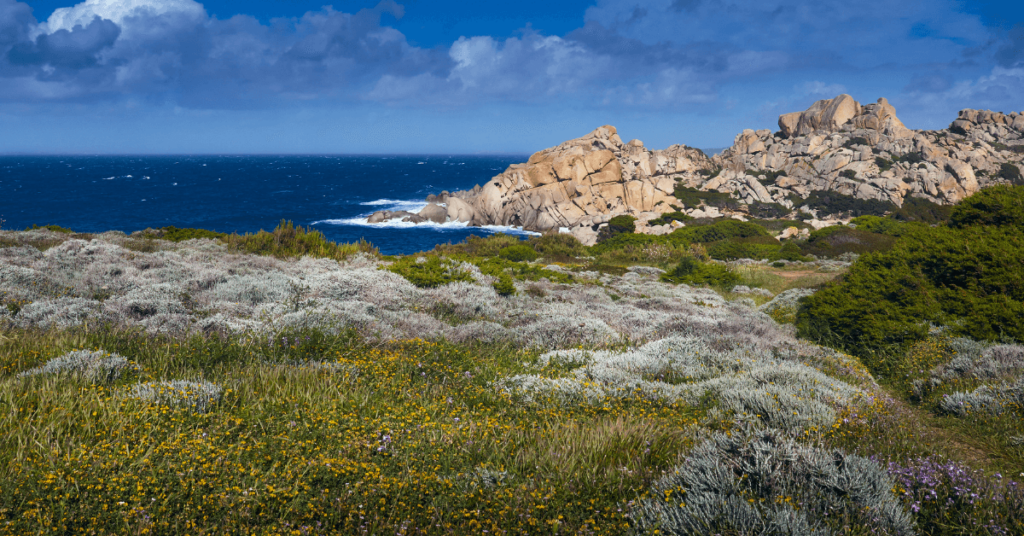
(244, 193)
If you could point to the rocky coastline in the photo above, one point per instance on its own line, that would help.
(836, 145)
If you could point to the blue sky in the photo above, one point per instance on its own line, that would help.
(446, 76)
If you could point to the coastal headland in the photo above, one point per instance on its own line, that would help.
(837, 145)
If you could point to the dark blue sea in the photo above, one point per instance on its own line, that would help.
(241, 193)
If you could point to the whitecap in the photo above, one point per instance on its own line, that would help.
(447, 226)
(396, 204)
(109, 178)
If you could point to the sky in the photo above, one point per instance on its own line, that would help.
(448, 76)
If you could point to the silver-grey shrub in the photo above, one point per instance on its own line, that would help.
(94, 366)
(785, 302)
(769, 387)
(61, 313)
(763, 483)
(199, 395)
(987, 399)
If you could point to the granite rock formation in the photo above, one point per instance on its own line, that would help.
(839, 145)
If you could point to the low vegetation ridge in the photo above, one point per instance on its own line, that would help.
(858, 379)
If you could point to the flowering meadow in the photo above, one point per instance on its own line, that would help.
(206, 386)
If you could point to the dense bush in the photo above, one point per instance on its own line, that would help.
(859, 140)
(670, 217)
(692, 197)
(1011, 173)
(693, 272)
(826, 202)
(923, 210)
(289, 240)
(98, 366)
(758, 209)
(175, 234)
(54, 228)
(504, 286)
(998, 205)
(765, 483)
(619, 225)
(719, 230)
(429, 272)
(968, 276)
(557, 245)
(840, 239)
(518, 253)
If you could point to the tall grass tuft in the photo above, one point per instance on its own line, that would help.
(288, 240)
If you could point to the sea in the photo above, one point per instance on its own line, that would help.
(243, 194)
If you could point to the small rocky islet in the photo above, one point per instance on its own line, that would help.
(836, 145)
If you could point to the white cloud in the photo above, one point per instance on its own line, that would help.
(82, 14)
(821, 89)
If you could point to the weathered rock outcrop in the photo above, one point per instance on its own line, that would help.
(867, 152)
(835, 145)
(578, 186)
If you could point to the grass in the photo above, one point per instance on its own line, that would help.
(406, 437)
(324, 432)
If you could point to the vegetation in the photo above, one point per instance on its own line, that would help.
(54, 228)
(693, 272)
(429, 272)
(670, 217)
(923, 210)
(692, 197)
(826, 202)
(288, 240)
(1011, 173)
(518, 253)
(966, 276)
(619, 225)
(521, 386)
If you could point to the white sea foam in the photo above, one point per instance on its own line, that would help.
(447, 226)
(397, 204)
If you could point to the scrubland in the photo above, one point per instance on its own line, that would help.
(180, 381)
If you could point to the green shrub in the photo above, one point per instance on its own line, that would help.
(623, 241)
(54, 228)
(670, 217)
(622, 224)
(967, 277)
(839, 239)
(175, 234)
(518, 253)
(428, 272)
(770, 211)
(998, 206)
(617, 226)
(853, 142)
(923, 210)
(885, 226)
(287, 240)
(504, 286)
(692, 197)
(557, 245)
(719, 230)
(498, 267)
(911, 158)
(1011, 173)
(480, 246)
(826, 202)
(848, 173)
(883, 164)
(693, 272)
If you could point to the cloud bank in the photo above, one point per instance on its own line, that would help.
(699, 56)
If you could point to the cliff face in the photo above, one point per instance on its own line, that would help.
(836, 145)
(866, 152)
